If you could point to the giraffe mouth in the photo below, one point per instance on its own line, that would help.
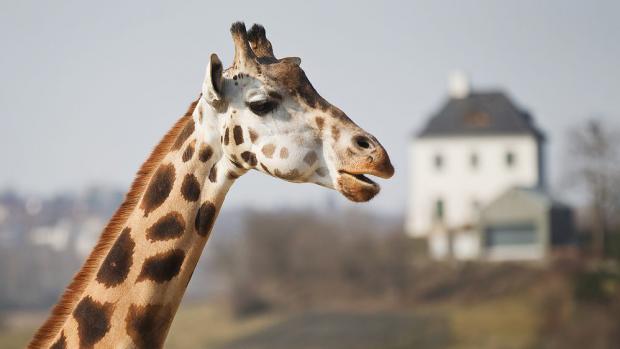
(356, 186)
(359, 176)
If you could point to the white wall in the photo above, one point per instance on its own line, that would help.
(458, 184)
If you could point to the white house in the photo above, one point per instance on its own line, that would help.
(476, 147)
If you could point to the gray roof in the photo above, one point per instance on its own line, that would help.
(531, 195)
(480, 113)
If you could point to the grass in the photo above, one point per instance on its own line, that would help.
(507, 324)
(348, 330)
(201, 325)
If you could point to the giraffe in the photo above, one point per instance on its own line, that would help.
(260, 114)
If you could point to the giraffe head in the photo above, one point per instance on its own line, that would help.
(271, 119)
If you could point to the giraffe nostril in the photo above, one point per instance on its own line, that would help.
(363, 142)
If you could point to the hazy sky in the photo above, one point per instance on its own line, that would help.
(88, 88)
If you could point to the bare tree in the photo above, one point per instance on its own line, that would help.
(594, 166)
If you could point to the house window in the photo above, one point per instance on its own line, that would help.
(473, 160)
(438, 161)
(511, 235)
(510, 159)
(439, 210)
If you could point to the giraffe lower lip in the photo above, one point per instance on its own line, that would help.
(356, 186)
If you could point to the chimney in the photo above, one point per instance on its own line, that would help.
(458, 85)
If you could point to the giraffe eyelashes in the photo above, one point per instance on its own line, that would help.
(262, 107)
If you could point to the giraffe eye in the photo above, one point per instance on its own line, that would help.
(261, 108)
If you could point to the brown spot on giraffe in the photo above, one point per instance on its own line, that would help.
(158, 189)
(249, 158)
(205, 152)
(253, 135)
(268, 150)
(226, 137)
(184, 135)
(232, 175)
(283, 153)
(61, 343)
(93, 320)
(321, 171)
(238, 134)
(190, 188)
(189, 151)
(335, 133)
(170, 226)
(311, 158)
(148, 325)
(115, 266)
(162, 267)
(213, 173)
(205, 218)
(320, 122)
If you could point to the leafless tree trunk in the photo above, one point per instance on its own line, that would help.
(594, 155)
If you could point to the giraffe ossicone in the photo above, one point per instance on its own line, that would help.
(260, 114)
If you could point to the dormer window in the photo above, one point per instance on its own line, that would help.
(477, 119)
(510, 159)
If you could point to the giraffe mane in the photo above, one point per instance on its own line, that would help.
(62, 310)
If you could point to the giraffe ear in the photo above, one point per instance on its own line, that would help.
(212, 85)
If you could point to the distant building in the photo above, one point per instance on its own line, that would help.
(478, 146)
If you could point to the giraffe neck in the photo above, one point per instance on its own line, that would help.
(128, 291)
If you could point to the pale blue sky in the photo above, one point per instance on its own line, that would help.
(88, 88)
